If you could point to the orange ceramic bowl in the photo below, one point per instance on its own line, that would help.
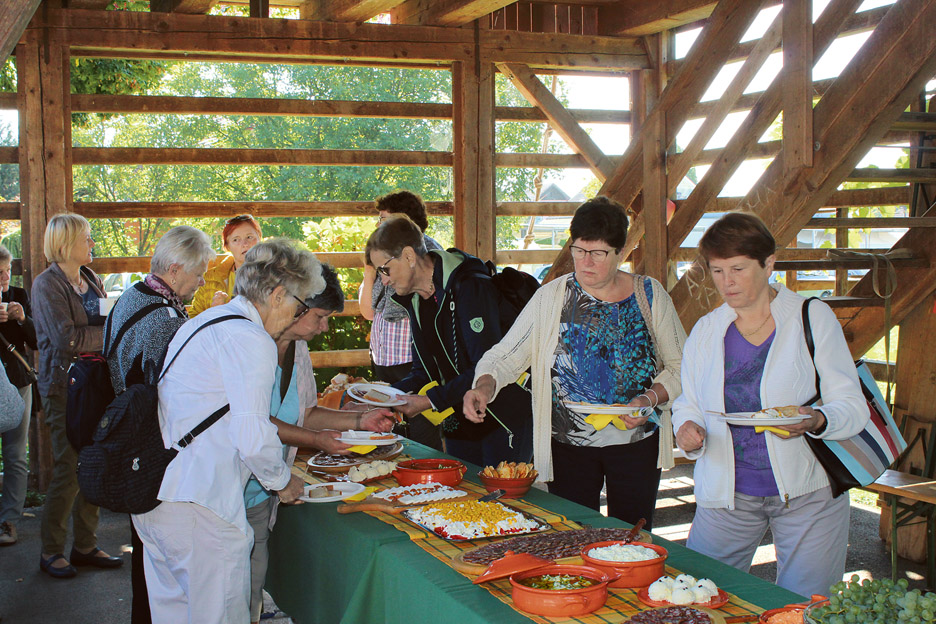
(445, 471)
(766, 615)
(561, 602)
(515, 488)
(630, 573)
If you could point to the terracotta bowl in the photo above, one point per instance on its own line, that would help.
(630, 573)
(766, 615)
(563, 602)
(515, 488)
(445, 471)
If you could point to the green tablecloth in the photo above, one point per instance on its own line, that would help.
(326, 567)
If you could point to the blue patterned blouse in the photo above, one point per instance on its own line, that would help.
(604, 355)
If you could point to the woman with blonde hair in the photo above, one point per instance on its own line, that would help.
(68, 322)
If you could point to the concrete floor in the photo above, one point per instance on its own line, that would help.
(95, 596)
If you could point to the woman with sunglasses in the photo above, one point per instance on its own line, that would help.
(455, 313)
(239, 235)
(599, 336)
(390, 331)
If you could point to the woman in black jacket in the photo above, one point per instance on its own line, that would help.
(17, 329)
(456, 315)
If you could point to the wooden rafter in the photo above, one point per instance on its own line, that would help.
(227, 38)
(645, 18)
(797, 84)
(560, 119)
(345, 10)
(746, 137)
(445, 12)
(16, 15)
(729, 21)
(869, 95)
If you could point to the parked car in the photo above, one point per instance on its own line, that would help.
(116, 283)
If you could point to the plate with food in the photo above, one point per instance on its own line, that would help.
(327, 462)
(614, 409)
(460, 521)
(376, 394)
(786, 415)
(368, 438)
(685, 615)
(329, 492)
(684, 590)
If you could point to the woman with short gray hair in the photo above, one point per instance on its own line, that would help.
(152, 311)
(197, 541)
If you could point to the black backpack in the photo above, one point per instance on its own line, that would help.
(89, 384)
(516, 288)
(122, 470)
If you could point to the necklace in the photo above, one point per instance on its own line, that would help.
(771, 296)
(77, 286)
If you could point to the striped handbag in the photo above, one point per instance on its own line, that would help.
(861, 459)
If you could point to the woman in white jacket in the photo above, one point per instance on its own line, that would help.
(599, 336)
(750, 354)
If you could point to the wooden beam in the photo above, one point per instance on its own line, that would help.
(684, 161)
(9, 211)
(751, 129)
(445, 12)
(15, 17)
(646, 18)
(266, 209)
(344, 10)
(654, 198)
(903, 176)
(525, 256)
(234, 156)
(487, 158)
(916, 122)
(162, 105)
(562, 122)
(465, 87)
(796, 77)
(873, 222)
(872, 91)
(31, 162)
(541, 50)
(791, 254)
(914, 285)
(347, 358)
(141, 264)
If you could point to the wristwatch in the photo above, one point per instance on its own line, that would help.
(825, 422)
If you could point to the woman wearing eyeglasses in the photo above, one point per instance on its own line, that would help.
(455, 313)
(239, 235)
(390, 331)
(600, 336)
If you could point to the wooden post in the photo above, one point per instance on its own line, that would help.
(465, 154)
(915, 395)
(841, 241)
(654, 260)
(487, 188)
(797, 84)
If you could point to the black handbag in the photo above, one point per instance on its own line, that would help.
(122, 470)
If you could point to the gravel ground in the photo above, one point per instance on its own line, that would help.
(103, 596)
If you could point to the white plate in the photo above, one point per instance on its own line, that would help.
(358, 390)
(593, 408)
(364, 437)
(340, 490)
(745, 419)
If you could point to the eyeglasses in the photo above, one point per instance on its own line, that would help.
(381, 219)
(597, 255)
(383, 270)
(301, 309)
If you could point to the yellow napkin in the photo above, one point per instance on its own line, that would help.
(362, 448)
(780, 432)
(600, 421)
(431, 415)
(354, 498)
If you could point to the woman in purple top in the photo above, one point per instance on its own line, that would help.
(750, 354)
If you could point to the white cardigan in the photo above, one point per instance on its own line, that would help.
(532, 340)
(788, 379)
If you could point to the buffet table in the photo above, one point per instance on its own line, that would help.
(326, 567)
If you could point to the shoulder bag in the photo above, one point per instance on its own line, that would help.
(859, 460)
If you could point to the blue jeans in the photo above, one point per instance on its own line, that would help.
(15, 468)
(496, 446)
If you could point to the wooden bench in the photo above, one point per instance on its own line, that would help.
(921, 491)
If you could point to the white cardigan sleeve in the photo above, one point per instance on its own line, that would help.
(688, 405)
(843, 404)
(671, 337)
